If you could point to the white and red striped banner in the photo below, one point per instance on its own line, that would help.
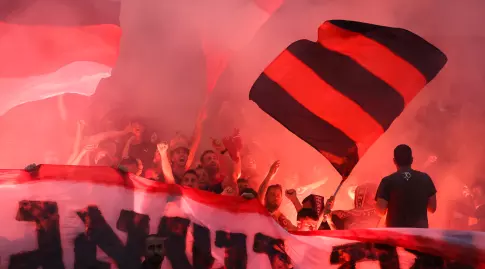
(95, 217)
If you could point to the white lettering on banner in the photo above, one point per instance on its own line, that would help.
(71, 220)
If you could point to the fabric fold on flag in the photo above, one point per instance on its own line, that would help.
(53, 47)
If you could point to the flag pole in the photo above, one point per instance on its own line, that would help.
(339, 186)
(330, 201)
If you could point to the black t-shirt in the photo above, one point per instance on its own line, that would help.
(407, 193)
(216, 188)
(338, 222)
(177, 179)
(147, 265)
(144, 151)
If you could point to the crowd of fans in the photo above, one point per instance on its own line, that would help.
(403, 199)
(219, 169)
(138, 149)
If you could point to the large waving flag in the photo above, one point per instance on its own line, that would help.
(341, 93)
(94, 217)
(51, 47)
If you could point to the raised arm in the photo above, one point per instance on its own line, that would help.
(327, 214)
(291, 195)
(98, 138)
(328, 218)
(229, 164)
(233, 146)
(126, 149)
(236, 166)
(165, 163)
(196, 137)
(84, 153)
(264, 185)
(77, 141)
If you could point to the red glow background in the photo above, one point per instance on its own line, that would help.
(172, 52)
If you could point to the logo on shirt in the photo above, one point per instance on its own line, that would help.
(406, 175)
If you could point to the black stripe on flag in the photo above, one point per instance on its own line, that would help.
(275, 101)
(375, 96)
(355, 82)
(423, 56)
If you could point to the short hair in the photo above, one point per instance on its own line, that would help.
(205, 153)
(307, 213)
(403, 155)
(129, 161)
(275, 186)
(154, 236)
(242, 180)
(190, 171)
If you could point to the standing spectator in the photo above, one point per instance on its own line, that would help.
(190, 179)
(272, 202)
(178, 154)
(263, 188)
(272, 196)
(139, 146)
(242, 183)
(203, 178)
(226, 152)
(310, 211)
(210, 162)
(478, 195)
(406, 195)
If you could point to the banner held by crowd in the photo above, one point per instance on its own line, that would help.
(98, 207)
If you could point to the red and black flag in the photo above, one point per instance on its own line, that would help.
(341, 93)
(48, 47)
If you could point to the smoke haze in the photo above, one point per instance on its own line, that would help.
(161, 74)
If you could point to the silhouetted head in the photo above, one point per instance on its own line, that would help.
(403, 156)
(154, 249)
(242, 183)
